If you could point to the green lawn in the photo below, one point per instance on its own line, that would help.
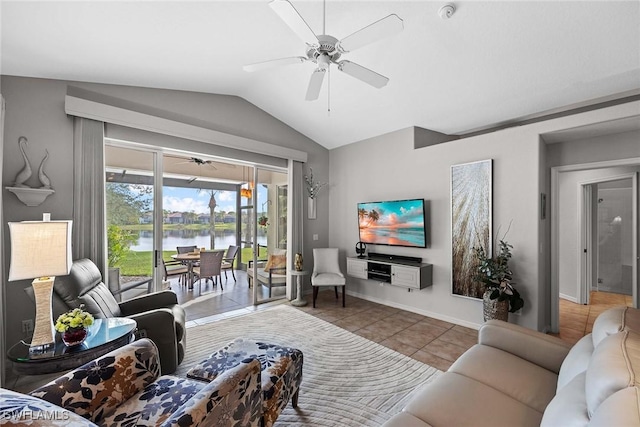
(140, 263)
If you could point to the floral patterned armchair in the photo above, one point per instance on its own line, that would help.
(124, 387)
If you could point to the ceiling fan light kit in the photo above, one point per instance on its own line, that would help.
(325, 50)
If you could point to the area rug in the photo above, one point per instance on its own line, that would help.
(347, 380)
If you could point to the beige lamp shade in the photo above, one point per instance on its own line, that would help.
(39, 249)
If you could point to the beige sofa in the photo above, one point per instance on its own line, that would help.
(519, 377)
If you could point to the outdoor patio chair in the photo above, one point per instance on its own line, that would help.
(228, 260)
(186, 250)
(175, 268)
(210, 267)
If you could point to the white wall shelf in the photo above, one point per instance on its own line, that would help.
(401, 274)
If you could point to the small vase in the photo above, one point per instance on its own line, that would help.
(494, 309)
(74, 336)
(311, 208)
(298, 262)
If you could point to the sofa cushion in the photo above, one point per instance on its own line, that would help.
(568, 408)
(24, 410)
(615, 365)
(96, 389)
(156, 403)
(263, 277)
(508, 374)
(623, 407)
(576, 361)
(456, 400)
(328, 279)
(405, 419)
(607, 323)
(276, 261)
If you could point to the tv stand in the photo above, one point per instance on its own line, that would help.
(407, 272)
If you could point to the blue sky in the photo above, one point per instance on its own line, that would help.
(189, 199)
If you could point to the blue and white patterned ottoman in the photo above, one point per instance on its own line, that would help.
(281, 372)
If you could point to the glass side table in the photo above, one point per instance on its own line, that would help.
(299, 301)
(104, 335)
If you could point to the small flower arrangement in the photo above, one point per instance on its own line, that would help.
(74, 319)
(312, 187)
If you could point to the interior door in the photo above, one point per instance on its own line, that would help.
(132, 194)
(269, 223)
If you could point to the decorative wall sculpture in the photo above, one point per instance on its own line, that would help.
(471, 201)
(31, 196)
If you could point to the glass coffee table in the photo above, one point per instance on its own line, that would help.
(105, 335)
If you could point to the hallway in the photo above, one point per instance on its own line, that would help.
(576, 320)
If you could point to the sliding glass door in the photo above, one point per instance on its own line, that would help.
(131, 196)
(269, 224)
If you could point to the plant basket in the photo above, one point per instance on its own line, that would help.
(494, 309)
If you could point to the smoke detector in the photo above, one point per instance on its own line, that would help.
(447, 11)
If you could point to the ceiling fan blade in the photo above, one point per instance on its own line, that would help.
(315, 84)
(361, 73)
(292, 18)
(274, 63)
(379, 30)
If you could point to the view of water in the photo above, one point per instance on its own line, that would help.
(202, 239)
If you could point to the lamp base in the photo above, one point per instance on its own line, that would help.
(43, 333)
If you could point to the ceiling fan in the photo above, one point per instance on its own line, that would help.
(325, 50)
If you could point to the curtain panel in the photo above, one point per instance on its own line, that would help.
(89, 205)
(296, 220)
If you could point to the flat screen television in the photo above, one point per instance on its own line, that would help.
(395, 223)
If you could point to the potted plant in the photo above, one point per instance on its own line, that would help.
(263, 221)
(500, 297)
(73, 326)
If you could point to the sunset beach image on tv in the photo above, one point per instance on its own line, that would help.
(398, 223)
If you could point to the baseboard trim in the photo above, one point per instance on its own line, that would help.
(569, 298)
(427, 313)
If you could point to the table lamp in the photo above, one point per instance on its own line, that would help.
(40, 250)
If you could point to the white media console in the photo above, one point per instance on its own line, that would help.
(406, 272)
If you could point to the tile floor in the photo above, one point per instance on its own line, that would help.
(576, 320)
(431, 341)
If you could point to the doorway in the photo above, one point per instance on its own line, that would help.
(574, 245)
(607, 228)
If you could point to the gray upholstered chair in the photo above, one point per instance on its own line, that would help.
(158, 315)
(326, 272)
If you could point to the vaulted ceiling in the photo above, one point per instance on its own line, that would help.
(491, 62)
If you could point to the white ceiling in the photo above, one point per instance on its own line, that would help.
(490, 63)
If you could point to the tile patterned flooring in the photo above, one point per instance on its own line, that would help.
(429, 340)
(576, 320)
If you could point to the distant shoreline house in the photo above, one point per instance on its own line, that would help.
(174, 218)
(146, 218)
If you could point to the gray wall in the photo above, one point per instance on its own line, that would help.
(610, 147)
(388, 167)
(35, 109)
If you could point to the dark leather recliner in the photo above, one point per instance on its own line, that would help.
(158, 315)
